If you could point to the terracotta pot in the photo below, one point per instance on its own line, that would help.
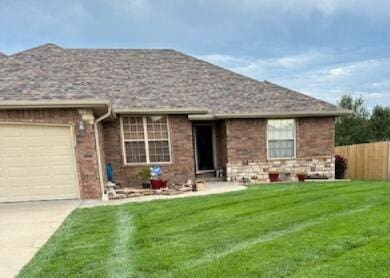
(157, 184)
(273, 177)
(301, 177)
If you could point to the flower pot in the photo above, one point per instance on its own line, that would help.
(157, 184)
(273, 177)
(301, 177)
(145, 184)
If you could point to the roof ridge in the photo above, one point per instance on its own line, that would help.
(221, 68)
(120, 49)
(42, 46)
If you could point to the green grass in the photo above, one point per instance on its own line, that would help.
(310, 230)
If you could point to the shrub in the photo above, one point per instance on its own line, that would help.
(144, 174)
(341, 165)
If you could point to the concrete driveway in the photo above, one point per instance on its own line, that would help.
(25, 227)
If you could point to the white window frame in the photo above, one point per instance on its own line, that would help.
(146, 141)
(294, 138)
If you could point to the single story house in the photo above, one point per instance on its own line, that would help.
(66, 113)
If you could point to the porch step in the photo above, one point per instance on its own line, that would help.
(214, 179)
(209, 177)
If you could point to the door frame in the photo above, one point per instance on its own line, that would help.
(214, 140)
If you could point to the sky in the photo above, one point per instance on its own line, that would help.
(323, 48)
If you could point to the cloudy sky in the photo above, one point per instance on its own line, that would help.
(324, 48)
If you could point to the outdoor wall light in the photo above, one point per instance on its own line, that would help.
(81, 125)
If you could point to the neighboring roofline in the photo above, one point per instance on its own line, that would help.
(25, 104)
(181, 110)
(97, 105)
(270, 115)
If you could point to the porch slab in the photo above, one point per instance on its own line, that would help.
(211, 188)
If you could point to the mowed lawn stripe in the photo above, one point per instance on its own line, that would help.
(268, 237)
(303, 251)
(119, 261)
(268, 230)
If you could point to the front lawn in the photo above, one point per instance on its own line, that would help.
(310, 230)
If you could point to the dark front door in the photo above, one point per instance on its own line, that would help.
(204, 148)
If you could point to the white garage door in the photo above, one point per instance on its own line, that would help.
(36, 163)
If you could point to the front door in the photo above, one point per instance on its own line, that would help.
(204, 147)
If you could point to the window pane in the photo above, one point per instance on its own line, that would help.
(280, 148)
(133, 128)
(281, 129)
(135, 152)
(159, 151)
(157, 127)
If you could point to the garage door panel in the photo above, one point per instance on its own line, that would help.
(37, 163)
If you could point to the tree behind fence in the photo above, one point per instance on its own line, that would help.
(369, 161)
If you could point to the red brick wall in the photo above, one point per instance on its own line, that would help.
(87, 167)
(315, 137)
(182, 166)
(246, 138)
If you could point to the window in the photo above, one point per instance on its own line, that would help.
(145, 139)
(281, 138)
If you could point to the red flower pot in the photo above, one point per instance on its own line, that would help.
(273, 177)
(301, 177)
(157, 184)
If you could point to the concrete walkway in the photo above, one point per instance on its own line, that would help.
(211, 188)
(25, 227)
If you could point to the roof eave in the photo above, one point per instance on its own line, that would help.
(270, 115)
(99, 106)
(151, 111)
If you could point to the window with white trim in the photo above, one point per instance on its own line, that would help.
(281, 138)
(145, 139)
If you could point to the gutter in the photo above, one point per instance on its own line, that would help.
(269, 115)
(23, 104)
(151, 111)
(97, 142)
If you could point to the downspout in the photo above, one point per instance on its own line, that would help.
(97, 142)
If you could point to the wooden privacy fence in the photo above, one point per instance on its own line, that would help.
(369, 161)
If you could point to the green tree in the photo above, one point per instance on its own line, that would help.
(380, 123)
(353, 128)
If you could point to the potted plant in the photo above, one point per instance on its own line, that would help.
(301, 176)
(273, 176)
(144, 175)
(156, 182)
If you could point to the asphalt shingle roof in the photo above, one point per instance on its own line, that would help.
(140, 78)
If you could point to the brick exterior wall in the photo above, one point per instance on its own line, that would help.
(182, 151)
(315, 137)
(247, 149)
(87, 167)
(246, 140)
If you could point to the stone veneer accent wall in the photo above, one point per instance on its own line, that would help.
(87, 167)
(182, 151)
(247, 153)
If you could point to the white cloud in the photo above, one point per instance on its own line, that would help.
(337, 72)
(318, 74)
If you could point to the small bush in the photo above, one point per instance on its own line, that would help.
(144, 174)
(341, 165)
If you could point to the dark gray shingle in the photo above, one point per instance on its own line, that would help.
(142, 78)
